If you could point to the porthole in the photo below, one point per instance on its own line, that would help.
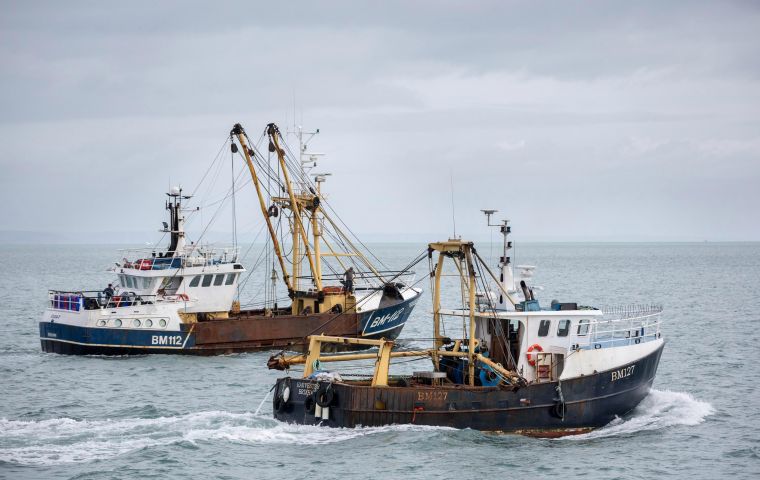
(137, 322)
(101, 323)
(117, 322)
(162, 323)
(148, 322)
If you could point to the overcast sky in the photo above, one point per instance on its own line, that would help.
(577, 120)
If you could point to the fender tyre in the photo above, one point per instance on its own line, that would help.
(325, 396)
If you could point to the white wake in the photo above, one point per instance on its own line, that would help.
(660, 409)
(65, 440)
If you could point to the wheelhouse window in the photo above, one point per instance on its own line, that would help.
(219, 280)
(207, 280)
(230, 279)
(583, 327)
(543, 328)
(195, 281)
(563, 328)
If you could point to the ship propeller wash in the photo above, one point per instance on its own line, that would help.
(185, 299)
(516, 367)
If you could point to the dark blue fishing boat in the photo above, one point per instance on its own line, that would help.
(518, 367)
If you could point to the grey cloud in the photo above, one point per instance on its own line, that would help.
(582, 120)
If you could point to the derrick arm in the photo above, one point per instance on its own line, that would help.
(238, 132)
(273, 133)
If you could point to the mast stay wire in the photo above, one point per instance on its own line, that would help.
(216, 158)
(500, 334)
(307, 182)
(417, 260)
(255, 265)
(298, 174)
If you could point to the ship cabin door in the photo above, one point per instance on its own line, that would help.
(505, 344)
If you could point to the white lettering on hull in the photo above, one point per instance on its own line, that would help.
(623, 372)
(306, 389)
(169, 340)
(387, 318)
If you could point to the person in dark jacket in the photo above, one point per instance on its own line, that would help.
(348, 280)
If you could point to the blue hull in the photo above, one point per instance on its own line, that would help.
(233, 335)
(386, 322)
(74, 340)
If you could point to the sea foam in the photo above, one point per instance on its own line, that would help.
(66, 440)
(660, 409)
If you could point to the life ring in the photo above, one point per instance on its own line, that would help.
(145, 264)
(325, 395)
(332, 289)
(537, 348)
(183, 296)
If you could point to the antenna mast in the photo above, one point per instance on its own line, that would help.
(506, 277)
(453, 216)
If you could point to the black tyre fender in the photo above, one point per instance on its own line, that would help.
(310, 404)
(325, 395)
(558, 410)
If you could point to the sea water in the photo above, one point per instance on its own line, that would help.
(188, 417)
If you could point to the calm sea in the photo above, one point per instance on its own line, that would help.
(186, 417)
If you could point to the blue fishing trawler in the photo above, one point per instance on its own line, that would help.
(185, 299)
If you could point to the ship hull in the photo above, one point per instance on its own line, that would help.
(590, 402)
(242, 332)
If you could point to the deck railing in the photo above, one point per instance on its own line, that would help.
(154, 259)
(94, 300)
(620, 326)
(364, 281)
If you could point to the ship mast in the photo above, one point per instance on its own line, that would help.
(176, 226)
(309, 224)
(238, 132)
(298, 202)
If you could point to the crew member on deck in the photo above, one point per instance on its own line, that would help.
(108, 291)
(348, 280)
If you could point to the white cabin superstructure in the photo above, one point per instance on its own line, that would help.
(566, 340)
(205, 275)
